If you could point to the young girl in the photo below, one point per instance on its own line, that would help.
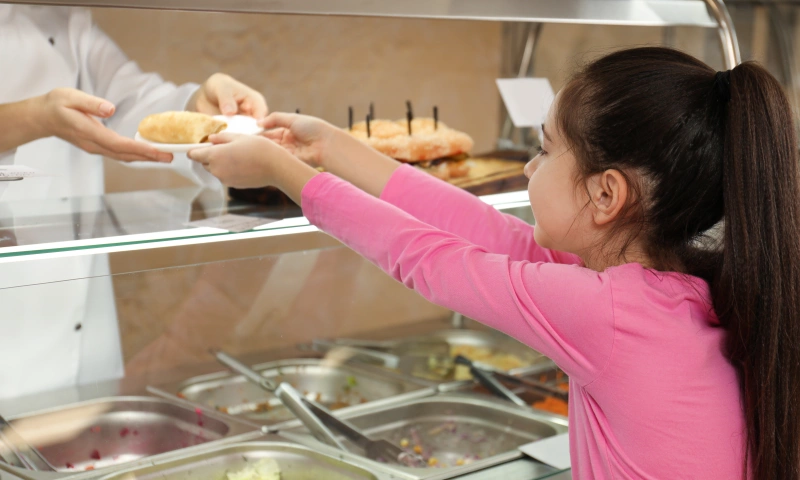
(681, 341)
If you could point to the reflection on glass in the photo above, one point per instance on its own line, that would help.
(46, 221)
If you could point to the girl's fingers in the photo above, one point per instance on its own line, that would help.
(200, 155)
(277, 120)
(275, 134)
(222, 138)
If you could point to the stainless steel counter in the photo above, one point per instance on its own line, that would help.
(218, 431)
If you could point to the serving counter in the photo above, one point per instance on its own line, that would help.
(262, 283)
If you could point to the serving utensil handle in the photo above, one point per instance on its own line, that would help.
(487, 380)
(294, 402)
(245, 371)
(388, 360)
(26, 456)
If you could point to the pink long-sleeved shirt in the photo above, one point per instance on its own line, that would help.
(651, 393)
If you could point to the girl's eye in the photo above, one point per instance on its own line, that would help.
(540, 151)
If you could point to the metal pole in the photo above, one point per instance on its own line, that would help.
(533, 30)
(727, 33)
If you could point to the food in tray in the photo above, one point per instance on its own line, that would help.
(439, 368)
(446, 444)
(264, 469)
(426, 143)
(499, 360)
(180, 127)
(347, 395)
(552, 405)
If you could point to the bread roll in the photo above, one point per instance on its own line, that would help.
(180, 127)
(426, 143)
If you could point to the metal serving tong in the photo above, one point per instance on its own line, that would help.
(24, 455)
(488, 378)
(287, 394)
(318, 418)
(533, 385)
(381, 450)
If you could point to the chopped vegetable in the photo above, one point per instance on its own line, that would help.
(432, 461)
(404, 442)
(264, 469)
(553, 405)
(418, 449)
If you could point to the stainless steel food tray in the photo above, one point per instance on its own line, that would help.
(296, 462)
(90, 438)
(340, 387)
(480, 341)
(550, 375)
(451, 427)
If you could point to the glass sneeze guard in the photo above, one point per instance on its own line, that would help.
(149, 219)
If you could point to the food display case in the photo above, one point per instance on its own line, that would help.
(279, 284)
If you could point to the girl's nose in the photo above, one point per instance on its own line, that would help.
(530, 167)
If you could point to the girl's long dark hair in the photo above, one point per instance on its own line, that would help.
(701, 150)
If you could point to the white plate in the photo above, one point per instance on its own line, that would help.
(236, 124)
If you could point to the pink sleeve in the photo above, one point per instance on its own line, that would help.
(563, 311)
(457, 211)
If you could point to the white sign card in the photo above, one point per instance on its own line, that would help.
(526, 99)
(553, 451)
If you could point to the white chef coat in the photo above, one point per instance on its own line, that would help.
(55, 335)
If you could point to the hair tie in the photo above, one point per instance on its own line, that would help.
(722, 82)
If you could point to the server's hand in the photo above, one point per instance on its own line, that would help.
(70, 114)
(221, 94)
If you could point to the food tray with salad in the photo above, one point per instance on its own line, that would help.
(335, 386)
(454, 433)
(262, 460)
(434, 365)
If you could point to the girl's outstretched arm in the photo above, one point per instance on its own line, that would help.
(431, 200)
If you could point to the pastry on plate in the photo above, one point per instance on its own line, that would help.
(180, 127)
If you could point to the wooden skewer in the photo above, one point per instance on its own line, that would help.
(369, 133)
(435, 117)
(371, 110)
(409, 117)
(350, 118)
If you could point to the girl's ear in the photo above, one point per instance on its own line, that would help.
(609, 194)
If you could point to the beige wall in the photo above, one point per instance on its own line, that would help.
(563, 48)
(321, 65)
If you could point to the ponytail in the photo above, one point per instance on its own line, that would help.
(756, 289)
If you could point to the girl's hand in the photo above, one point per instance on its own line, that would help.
(306, 137)
(242, 161)
(221, 94)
